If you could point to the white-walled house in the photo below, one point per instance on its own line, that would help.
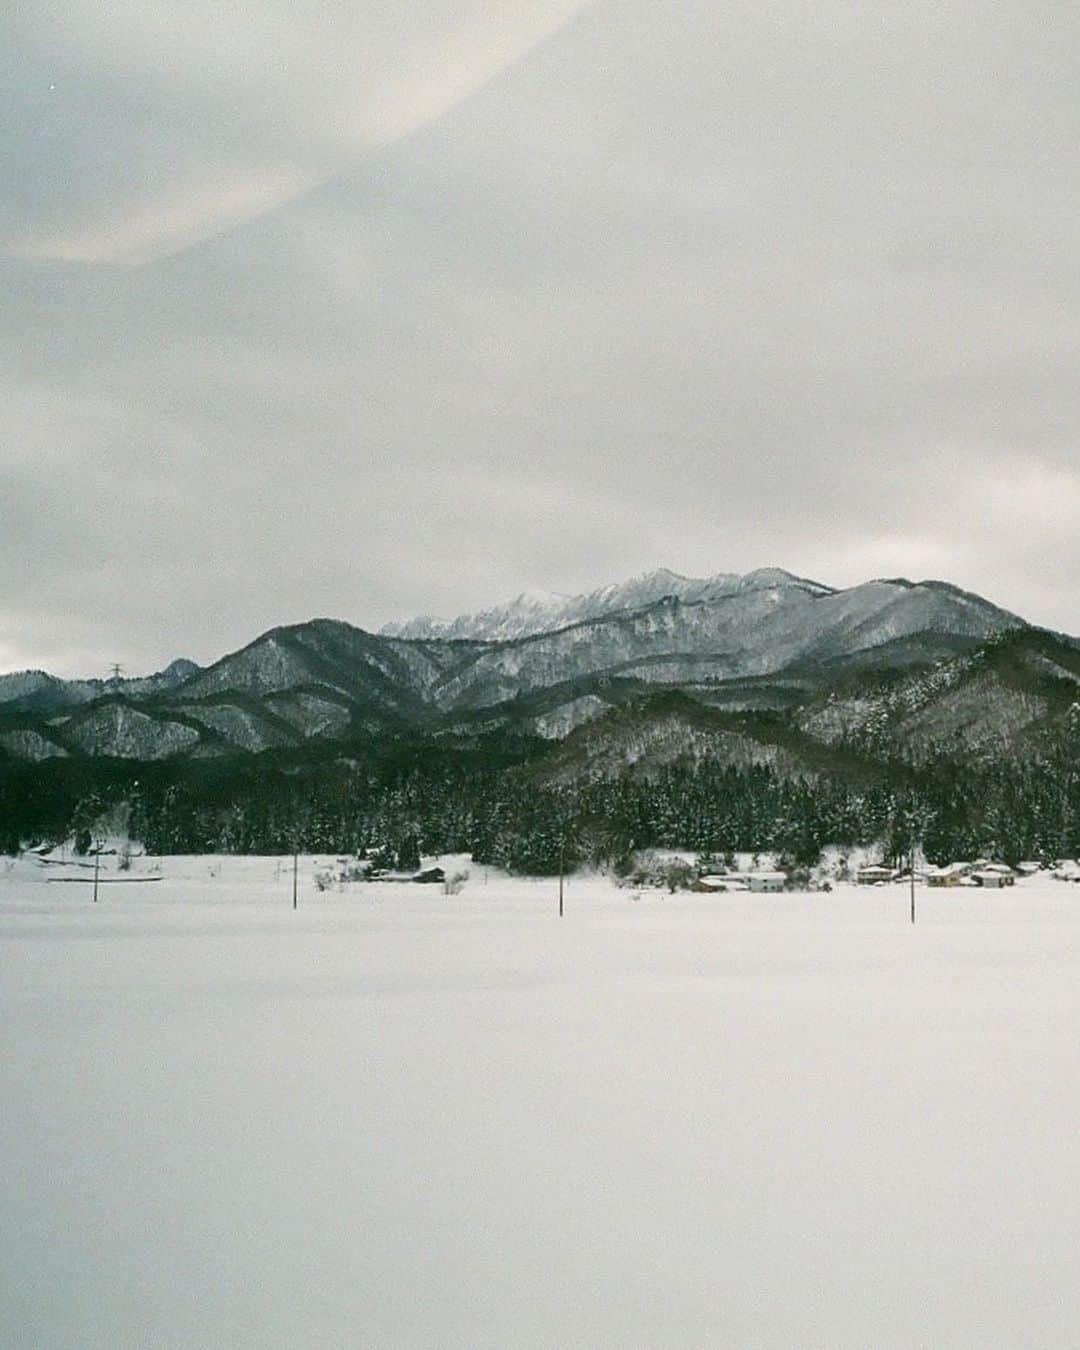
(952, 874)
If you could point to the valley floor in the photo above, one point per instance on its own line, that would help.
(397, 1118)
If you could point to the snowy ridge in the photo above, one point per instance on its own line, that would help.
(535, 612)
(749, 630)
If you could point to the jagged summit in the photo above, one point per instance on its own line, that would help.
(534, 611)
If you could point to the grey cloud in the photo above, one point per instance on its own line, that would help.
(713, 290)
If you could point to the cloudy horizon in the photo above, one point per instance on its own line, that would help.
(352, 313)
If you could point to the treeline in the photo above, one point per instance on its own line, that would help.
(488, 800)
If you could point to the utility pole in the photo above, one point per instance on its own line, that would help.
(295, 869)
(117, 671)
(913, 880)
(97, 869)
(562, 851)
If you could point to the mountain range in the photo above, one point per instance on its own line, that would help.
(764, 668)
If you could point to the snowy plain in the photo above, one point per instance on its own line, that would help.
(399, 1118)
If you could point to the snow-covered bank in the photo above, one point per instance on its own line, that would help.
(397, 1118)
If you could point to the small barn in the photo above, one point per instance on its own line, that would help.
(766, 882)
(430, 876)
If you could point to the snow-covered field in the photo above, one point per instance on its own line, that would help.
(396, 1118)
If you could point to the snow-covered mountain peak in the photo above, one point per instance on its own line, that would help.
(656, 578)
(777, 579)
(534, 612)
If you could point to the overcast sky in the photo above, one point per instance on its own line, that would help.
(372, 309)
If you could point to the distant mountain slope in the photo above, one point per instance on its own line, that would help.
(1013, 698)
(35, 691)
(327, 653)
(1010, 697)
(660, 730)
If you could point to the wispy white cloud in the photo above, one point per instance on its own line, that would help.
(172, 219)
(313, 89)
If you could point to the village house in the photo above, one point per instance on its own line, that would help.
(952, 874)
(994, 875)
(875, 874)
(763, 882)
